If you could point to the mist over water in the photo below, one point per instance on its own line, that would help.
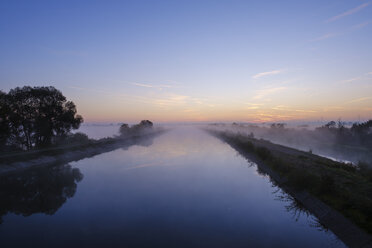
(185, 189)
(185, 123)
(305, 138)
(99, 131)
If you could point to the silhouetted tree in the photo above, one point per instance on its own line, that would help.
(74, 138)
(340, 124)
(143, 125)
(146, 124)
(363, 132)
(4, 119)
(278, 125)
(124, 129)
(362, 128)
(37, 114)
(330, 124)
(135, 129)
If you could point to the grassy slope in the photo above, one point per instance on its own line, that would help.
(101, 145)
(339, 185)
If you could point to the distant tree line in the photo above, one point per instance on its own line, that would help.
(125, 129)
(34, 117)
(357, 134)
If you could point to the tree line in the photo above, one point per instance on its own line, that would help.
(357, 134)
(34, 117)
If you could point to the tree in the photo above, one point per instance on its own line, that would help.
(146, 124)
(330, 124)
(38, 114)
(277, 125)
(124, 129)
(362, 128)
(135, 129)
(143, 125)
(4, 119)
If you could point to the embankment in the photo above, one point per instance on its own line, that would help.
(336, 193)
(13, 163)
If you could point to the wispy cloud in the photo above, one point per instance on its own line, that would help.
(362, 77)
(265, 117)
(362, 99)
(268, 91)
(262, 74)
(361, 25)
(253, 105)
(171, 100)
(305, 111)
(324, 37)
(289, 109)
(159, 86)
(333, 108)
(349, 12)
(281, 107)
(345, 31)
(351, 80)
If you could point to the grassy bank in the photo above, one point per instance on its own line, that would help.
(17, 161)
(344, 187)
(21, 156)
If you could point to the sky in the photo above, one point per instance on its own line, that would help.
(187, 61)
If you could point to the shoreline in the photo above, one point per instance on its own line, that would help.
(77, 152)
(348, 232)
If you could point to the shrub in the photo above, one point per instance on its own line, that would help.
(280, 166)
(263, 153)
(365, 170)
(77, 138)
(327, 184)
(124, 129)
(301, 180)
(247, 145)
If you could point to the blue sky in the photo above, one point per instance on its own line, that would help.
(194, 60)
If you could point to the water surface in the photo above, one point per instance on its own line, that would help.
(186, 189)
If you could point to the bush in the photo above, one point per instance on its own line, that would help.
(301, 180)
(327, 184)
(124, 129)
(365, 170)
(280, 166)
(247, 145)
(263, 153)
(77, 138)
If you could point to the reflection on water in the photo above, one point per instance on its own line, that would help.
(298, 210)
(41, 190)
(295, 208)
(187, 189)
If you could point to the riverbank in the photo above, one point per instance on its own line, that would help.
(12, 163)
(336, 193)
(340, 144)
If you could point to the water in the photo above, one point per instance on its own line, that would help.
(99, 131)
(186, 189)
